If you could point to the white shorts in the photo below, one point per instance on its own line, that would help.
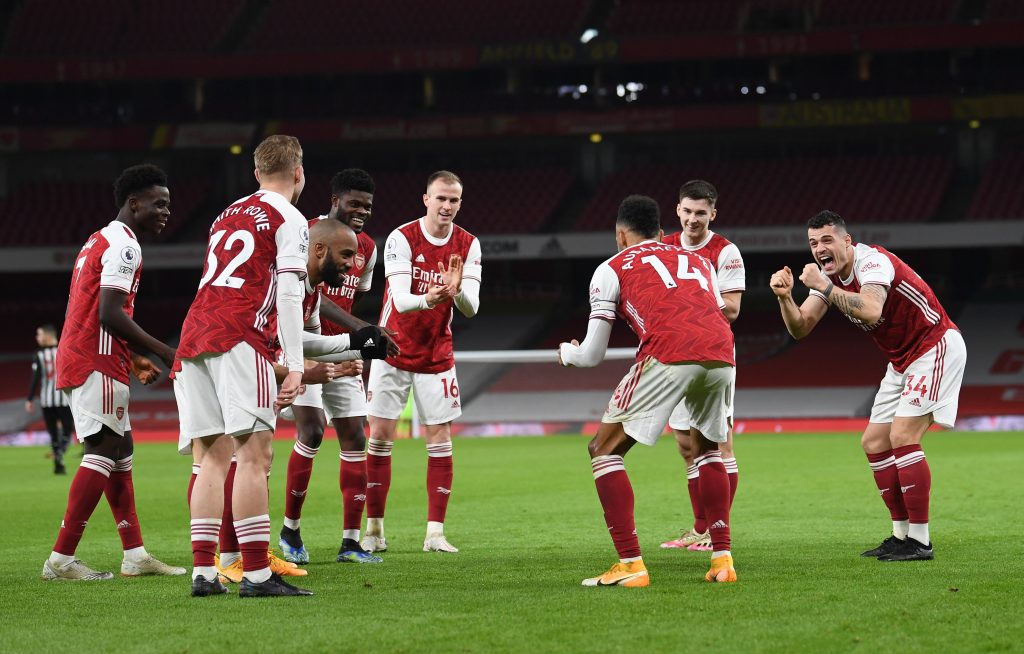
(231, 393)
(99, 402)
(437, 395)
(310, 396)
(646, 397)
(680, 418)
(930, 384)
(345, 397)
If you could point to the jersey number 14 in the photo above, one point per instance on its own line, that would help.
(682, 272)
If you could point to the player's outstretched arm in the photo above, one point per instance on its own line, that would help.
(591, 352)
(332, 312)
(800, 319)
(116, 321)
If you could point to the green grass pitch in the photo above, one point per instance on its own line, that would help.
(526, 516)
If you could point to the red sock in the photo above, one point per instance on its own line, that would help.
(204, 541)
(352, 480)
(86, 490)
(378, 477)
(254, 541)
(191, 483)
(883, 466)
(121, 497)
(439, 480)
(734, 477)
(693, 487)
(228, 540)
(714, 491)
(915, 481)
(300, 468)
(616, 495)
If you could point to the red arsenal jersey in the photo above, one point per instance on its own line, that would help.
(110, 258)
(723, 254)
(251, 241)
(410, 265)
(912, 319)
(670, 298)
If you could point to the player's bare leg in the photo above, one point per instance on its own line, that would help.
(915, 482)
(439, 485)
(212, 455)
(714, 493)
(352, 477)
(378, 480)
(616, 494)
(310, 423)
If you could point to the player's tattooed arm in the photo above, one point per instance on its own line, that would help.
(116, 321)
(865, 306)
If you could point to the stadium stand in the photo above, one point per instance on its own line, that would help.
(841, 13)
(342, 23)
(778, 192)
(495, 201)
(666, 17)
(106, 27)
(1000, 194)
(47, 213)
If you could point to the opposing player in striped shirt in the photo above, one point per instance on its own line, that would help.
(56, 412)
(884, 297)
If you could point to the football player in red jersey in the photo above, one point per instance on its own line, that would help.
(250, 295)
(669, 297)
(884, 297)
(343, 401)
(697, 210)
(432, 266)
(96, 356)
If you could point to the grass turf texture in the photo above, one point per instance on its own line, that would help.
(526, 516)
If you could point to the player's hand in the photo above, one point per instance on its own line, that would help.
(370, 341)
(349, 369)
(290, 388)
(319, 373)
(29, 405)
(145, 370)
(813, 278)
(439, 294)
(574, 343)
(393, 349)
(453, 275)
(782, 282)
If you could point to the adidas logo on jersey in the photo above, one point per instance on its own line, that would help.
(420, 259)
(915, 402)
(720, 525)
(455, 404)
(124, 524)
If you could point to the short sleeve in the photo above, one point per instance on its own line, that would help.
(397, 255)
(875, 268)
(604, 293)
(473, 266)
(120, 262)
(732, 276)
(292, 238)
(366, 279)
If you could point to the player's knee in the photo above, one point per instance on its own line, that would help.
(594, 448)
(352, 441)
(311, 436)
